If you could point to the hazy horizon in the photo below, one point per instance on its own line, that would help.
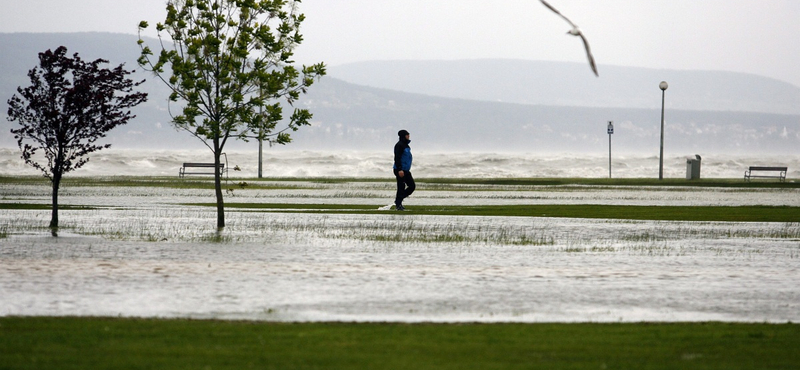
(705, 36)
(739, 36)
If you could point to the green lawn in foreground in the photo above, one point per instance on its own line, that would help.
(99, 343)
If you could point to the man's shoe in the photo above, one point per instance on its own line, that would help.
(400, 207)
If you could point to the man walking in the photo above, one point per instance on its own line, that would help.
(402, 169)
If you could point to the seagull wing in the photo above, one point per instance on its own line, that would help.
(559, 13)
(576, 31)
(589, 54)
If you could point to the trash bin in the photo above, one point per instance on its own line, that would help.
(693, 168)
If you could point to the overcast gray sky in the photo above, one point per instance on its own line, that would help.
(753, 36)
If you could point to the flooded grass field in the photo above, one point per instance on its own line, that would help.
(141, 250)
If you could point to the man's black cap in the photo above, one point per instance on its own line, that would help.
(402, 133)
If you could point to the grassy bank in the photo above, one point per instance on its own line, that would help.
(660, 213)
(99, 343)
(611, 212)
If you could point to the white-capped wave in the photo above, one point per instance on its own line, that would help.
(373, 164)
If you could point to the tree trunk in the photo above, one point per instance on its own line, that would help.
(218, 189)
(54, 215)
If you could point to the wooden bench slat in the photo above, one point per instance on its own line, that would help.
(202, 165)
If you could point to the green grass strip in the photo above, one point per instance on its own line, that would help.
(647, 182)
(100, 343)
(205, 182)
(657, 213)
(660, 213)
(33, 206)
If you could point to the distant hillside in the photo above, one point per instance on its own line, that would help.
(572, 84)
(19, 53)
(349, 116)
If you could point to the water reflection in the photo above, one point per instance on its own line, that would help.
(139, 252)
(593, 271)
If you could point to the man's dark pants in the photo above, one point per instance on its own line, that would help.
(405, 186)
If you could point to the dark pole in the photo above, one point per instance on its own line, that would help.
(663, 86)
(260, 133)
(610, 131)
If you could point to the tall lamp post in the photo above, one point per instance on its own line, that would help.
(260, 133)
(610, 131)
(663, 86)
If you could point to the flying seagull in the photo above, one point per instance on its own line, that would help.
(575, 31)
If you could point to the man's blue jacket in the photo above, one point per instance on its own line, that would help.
(402, 155)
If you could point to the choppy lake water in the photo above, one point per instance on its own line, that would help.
(279, 162)
(142, 254)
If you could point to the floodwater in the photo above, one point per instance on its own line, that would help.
(142, 254)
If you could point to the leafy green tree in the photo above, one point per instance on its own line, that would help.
(69, 105)
(229, 64)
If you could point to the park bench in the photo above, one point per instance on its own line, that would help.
(204, 168)
(183, 171)
(781, 172)
(208, 166)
